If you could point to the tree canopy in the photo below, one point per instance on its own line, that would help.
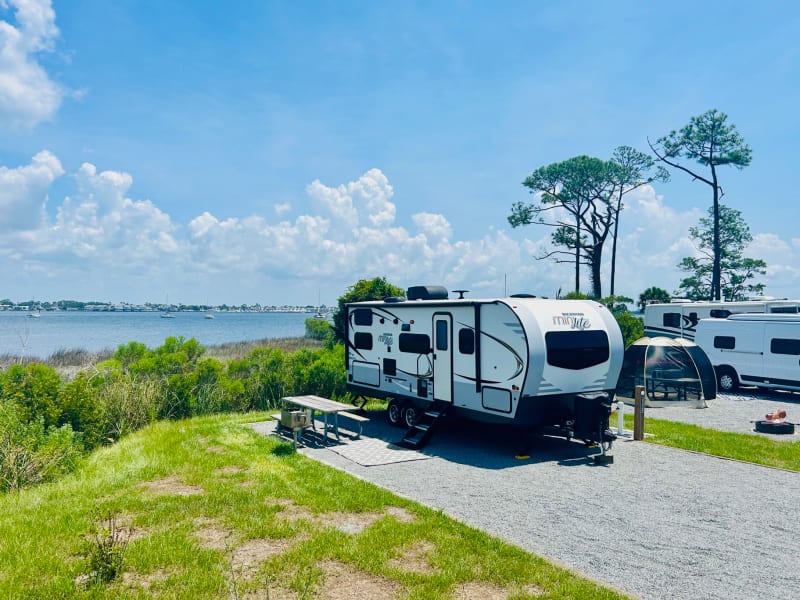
(376, 288)
(711, 142)
(575, 196)
(737, 271)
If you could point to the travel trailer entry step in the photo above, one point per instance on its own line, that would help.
(419, 434)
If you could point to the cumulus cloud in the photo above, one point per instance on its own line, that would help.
(23, 192)
(27, 94)
(101, 236)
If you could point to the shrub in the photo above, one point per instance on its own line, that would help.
(34, 388)
(129, 403)
(81, 408)
(318, 329)
(30, 453)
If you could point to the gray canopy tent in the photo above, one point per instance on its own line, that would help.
(671, 370)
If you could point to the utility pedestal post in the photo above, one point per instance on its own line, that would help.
(638, 413)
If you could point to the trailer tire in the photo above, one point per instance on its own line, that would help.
(727, 381)
(408, 415)
(394, 412)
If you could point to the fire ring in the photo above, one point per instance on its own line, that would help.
(774, 427)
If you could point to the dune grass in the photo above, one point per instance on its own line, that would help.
(738, 446)
(210, 509)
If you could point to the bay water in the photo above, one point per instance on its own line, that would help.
(22, 335)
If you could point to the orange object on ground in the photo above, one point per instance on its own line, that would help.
(776, 415)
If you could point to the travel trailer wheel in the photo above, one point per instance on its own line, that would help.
(393, 412)
(727, 379)
(409, 415)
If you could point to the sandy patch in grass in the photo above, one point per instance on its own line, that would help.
(416, 559)
(215, 449)
(132, 579)
(211, 536)
(490, 591)
(401, 514)
(342, 582)
(248, 556)
(346, 522)
(172, 486)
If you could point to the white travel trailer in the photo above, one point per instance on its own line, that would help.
(525, 361)
(753, 349)
(679, 318)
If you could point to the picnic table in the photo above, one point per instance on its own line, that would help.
(325, 406)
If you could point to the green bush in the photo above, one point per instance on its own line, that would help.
(318, 329)
(632, 327)
(31, 453)
(82, 409)
(129, 403)
(34, 388)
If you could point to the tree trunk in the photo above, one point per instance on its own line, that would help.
(578, 255)
(597, 255)
(716, 270)
(614, 246)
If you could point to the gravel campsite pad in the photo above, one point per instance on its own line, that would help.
(658, 523)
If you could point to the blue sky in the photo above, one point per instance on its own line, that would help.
(277, 152)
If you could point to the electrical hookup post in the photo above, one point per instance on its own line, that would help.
(638, 413)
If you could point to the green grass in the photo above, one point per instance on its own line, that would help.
(738, 446)
(249, 491)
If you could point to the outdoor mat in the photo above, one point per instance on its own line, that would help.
(371, 452)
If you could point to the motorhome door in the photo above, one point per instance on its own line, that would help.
(442, 357)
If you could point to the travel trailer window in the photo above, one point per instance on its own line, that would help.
(441, 335)
(415, 343)
(363, 340)
(576, 350)
(362, 316)
(672, 319)
(784, 309)
(783, 346)
(720, 313)
(466, 341)
(724, 342)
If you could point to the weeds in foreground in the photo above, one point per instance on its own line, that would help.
(105, 549)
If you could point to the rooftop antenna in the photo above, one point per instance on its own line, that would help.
(505, 284)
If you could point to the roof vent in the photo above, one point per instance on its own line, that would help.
(427, 292)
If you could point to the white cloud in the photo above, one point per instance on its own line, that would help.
(23, 192)
(282, 209)
(101, 237)
(27, 94)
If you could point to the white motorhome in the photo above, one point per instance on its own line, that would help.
(679, 318)
(753, 349)
(524, 361)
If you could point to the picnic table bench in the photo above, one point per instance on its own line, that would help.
(325, 406)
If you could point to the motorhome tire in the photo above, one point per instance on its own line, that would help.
(408, 415)
(727, 379)
(393, 412)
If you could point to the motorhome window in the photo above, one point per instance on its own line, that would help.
(672, 319)
(784, 309)
(441, 334)
(720, 313)
(576, 350)
(415, 343)
(784, 346)
(363, 340)
(362, 316)
(724, 342)
(466, 341)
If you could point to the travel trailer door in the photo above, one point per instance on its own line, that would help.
(442, 357)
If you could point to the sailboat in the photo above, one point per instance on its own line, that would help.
(167, 314)
(36, 313)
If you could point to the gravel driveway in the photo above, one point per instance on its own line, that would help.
(658, 523)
